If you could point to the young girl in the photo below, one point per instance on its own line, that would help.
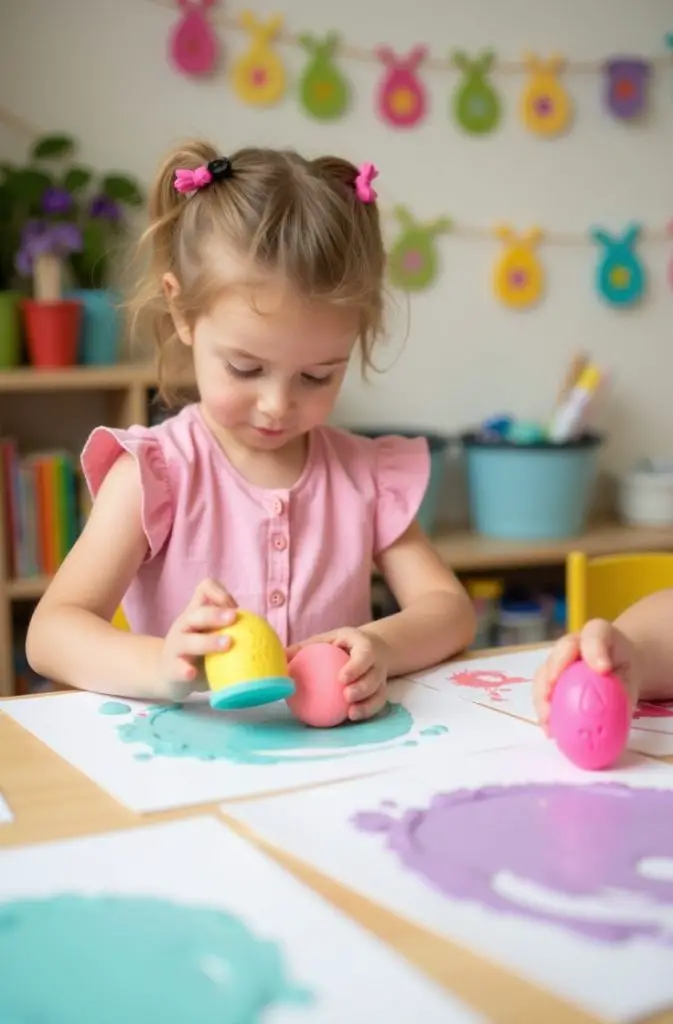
(637, 647)
(267, 269)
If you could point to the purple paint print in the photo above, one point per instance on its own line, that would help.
(596, 860)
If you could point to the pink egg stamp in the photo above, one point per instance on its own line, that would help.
(590, 717)
(319, 698)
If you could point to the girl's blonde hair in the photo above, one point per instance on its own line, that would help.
(284, 214)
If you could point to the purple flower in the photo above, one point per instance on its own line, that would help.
(40, 237)
(57, 200)
(104, 208)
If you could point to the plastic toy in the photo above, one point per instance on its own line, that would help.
(258, 75)
(620, 278)
(194, 47)
(545, 105)
(402, 99)
(476, 104)
(253, 670)
(319, 698)
(412, 263)
(323, 89)
(590, 717)
(518, 279)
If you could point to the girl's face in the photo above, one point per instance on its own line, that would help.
(269, 366)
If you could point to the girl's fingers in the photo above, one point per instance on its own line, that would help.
(365, 687)
(208, 616)
(595, 645)
(368, 708)
(195, 645)
(209, 591)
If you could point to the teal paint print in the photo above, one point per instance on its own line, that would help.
(110, 959)
(196, 731)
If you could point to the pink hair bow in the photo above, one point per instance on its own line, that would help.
(188, 181)
(363, 183)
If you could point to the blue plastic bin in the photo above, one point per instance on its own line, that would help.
(438, 445)
(530, 492)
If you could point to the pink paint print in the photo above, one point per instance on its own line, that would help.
(496, 685)
(647, 709)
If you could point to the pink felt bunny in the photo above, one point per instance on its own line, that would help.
(194, 46)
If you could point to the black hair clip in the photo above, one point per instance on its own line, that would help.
(220, 168)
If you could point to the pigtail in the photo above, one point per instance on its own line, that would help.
(150, 316)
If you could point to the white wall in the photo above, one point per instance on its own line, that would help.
(98, 69)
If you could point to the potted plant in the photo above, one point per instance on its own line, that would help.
(52, 322)
(17, 185)
(102, 203)
(76, 218)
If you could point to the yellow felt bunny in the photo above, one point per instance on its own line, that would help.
(258, 75)
(518, 279)
(546, 108)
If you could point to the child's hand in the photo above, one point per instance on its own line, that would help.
(191, 637)
(603, 647)
(365, 674)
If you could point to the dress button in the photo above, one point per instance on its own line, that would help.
(277, 598)
(277, 506)
(279, 542)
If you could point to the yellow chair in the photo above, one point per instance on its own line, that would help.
(119, 620)
(604, 587)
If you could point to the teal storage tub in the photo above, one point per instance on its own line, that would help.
(100, 330)
(530, 492)
(438, 445)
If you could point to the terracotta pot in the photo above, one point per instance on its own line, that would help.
(52, 331)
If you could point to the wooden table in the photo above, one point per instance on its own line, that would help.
(52, 800)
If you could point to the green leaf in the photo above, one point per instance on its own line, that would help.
(5, 203)
(122, 189)
(76, 178)
(28, 185)
(51, 147)
(90, 265)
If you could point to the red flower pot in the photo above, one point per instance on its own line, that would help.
(52, 330)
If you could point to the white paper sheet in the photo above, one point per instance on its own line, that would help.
(150, 962)
(6, 815)
(504, 681)
(245, 757)
(508, 848)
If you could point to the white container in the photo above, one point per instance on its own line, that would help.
(646, 498)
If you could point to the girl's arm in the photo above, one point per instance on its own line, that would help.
(436, 619)
(70, 639)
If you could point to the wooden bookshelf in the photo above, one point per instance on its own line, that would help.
(44, 408)
(467, 552)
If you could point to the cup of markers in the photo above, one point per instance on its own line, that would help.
(530, 481)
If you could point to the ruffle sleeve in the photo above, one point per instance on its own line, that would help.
(103, 448)
(402, 476)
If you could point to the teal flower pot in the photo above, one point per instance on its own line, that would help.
(100, 331)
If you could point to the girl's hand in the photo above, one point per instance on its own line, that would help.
(191, 637)
(603, 647)
(365, 674)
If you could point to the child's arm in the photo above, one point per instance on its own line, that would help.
(637, 647)
(648, 625)
(436, 619)
(70, 638)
